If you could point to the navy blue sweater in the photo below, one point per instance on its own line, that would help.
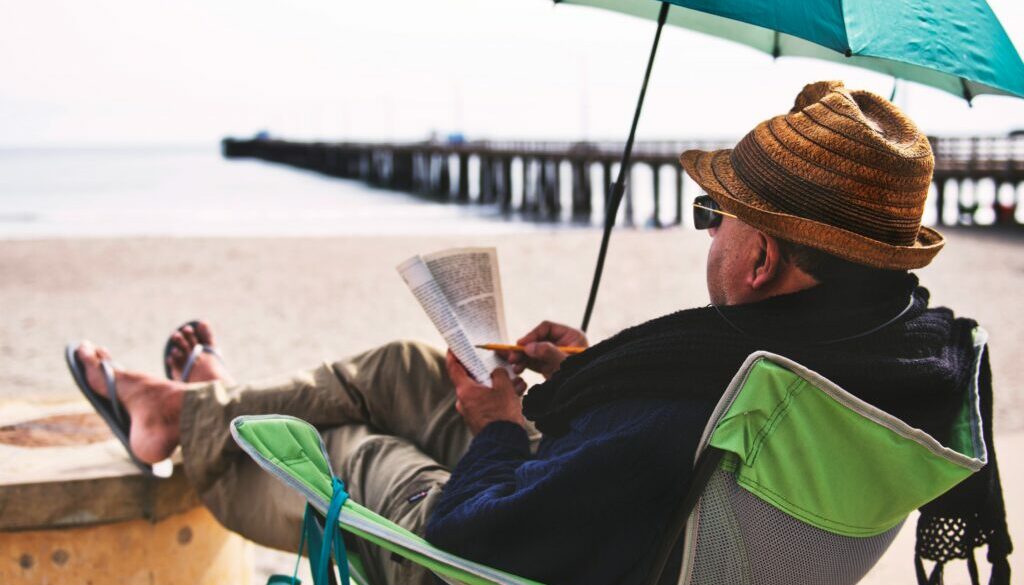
(588, 508)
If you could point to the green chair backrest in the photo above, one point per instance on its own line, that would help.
(815, 482)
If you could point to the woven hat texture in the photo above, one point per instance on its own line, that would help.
(844, 171)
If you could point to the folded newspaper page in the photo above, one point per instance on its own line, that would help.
(460, 290)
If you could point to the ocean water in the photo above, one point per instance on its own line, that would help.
(113, 192)
(193, 191)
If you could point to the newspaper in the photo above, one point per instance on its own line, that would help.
(460, 290)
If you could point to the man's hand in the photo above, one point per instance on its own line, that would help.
(480, 405)
(540, 353)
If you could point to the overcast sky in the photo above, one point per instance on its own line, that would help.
(192, 71)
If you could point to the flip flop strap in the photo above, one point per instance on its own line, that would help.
(107, 367)
(197, 351)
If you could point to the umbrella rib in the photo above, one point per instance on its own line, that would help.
(611, 211)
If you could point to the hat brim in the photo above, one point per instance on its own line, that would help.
(713, 171)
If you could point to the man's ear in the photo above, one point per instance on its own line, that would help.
(769, 262)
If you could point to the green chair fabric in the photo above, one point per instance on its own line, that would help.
(291, 450)
(814, 483)
(801, 453)
(861, 478)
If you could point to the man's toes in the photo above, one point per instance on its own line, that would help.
(180, 344)
(204, 333)
(190, 335)
(85, 351)
(90, 357)
(103, 354)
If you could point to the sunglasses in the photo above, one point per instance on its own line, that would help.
(707, 214)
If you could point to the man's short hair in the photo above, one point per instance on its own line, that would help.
(825, 267)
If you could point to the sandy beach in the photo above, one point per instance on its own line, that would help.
(284, 304)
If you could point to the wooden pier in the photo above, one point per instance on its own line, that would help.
(553, 181)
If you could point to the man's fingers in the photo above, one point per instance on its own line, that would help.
(512, 357)
(500, 376)
(555, 333)
(542, 331)
(520, 385)
(456, 371)
(543, 351)
(500, 380)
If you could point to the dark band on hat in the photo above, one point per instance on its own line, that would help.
(792, 193)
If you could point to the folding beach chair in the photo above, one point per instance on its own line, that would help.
(796, 481)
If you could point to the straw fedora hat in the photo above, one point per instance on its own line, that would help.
(844, 172)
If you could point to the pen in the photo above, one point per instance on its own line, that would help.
(505, 347)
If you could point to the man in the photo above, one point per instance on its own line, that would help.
(815, 218)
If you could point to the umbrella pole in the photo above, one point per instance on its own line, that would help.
(620, 182)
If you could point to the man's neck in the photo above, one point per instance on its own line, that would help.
(793, 281)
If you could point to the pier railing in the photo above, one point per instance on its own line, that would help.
(977, 180)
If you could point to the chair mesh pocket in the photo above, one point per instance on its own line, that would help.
(742, 539)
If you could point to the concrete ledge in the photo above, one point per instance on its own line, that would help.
(93, 482)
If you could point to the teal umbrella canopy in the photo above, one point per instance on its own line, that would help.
(958, 46)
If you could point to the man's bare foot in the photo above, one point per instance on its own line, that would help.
(153, 404)
(207, 367)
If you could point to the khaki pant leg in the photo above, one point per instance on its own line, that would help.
(252, 502)
(400, 388)
(392, 477)
(405, 391)
(209, 451)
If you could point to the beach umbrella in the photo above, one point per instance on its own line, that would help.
(958, 46)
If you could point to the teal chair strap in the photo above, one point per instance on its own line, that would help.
(323, 542)
(332, 535)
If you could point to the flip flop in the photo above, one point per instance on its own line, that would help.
(110, 408)
(197, 351)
